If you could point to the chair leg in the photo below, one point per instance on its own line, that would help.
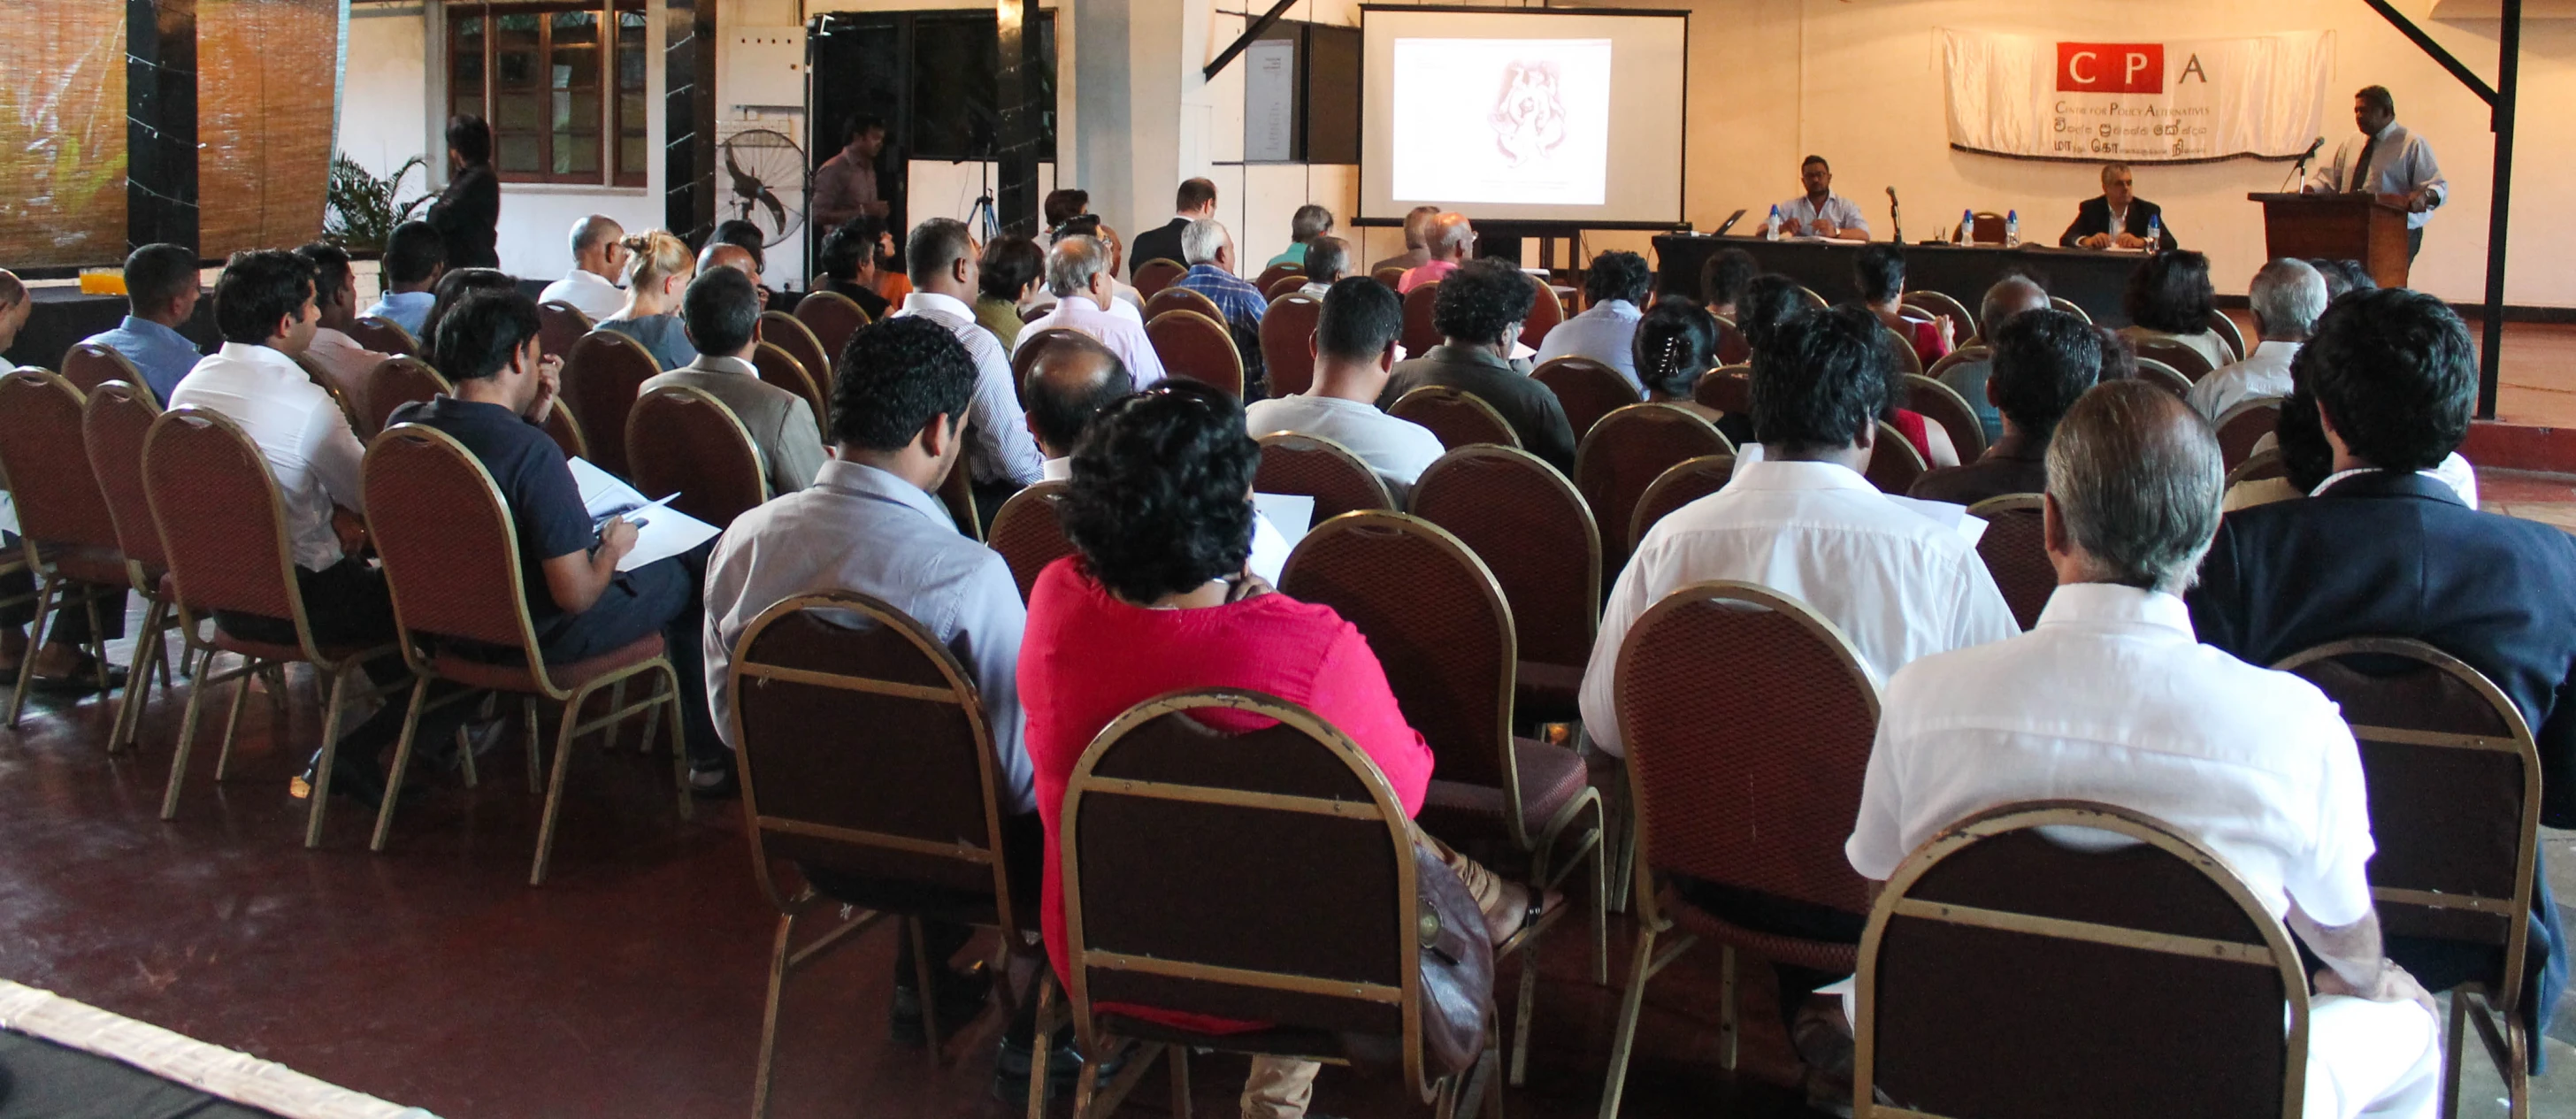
(767, 1070)
(1623, 1041)
(555, 785)
(608, 734)
(1730, 1032)
(679, 743)
(536, 751)
(2452, 1042)
(35, 640)
(1086, 1087)
(330, 752)
(1178, 1056)
(922, 968)
(1526, 1009)
(179, 757)
(138, 681)
(1602, 885)
(402, 765)
(232, 721)
(97, 644)
(1038, 1038)
(2517, 1079)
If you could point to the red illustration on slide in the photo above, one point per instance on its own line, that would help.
(1529, 120)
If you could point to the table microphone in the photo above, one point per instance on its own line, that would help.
(1895, 217)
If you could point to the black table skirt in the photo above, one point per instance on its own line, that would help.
(63, 316)
(2091, 280)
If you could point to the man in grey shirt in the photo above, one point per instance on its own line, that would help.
(869, 524)
(721, 311)
(1354, 347)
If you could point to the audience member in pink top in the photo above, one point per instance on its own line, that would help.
(1449, 241)
(1158, 600)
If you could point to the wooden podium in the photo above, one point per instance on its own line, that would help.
(2337, 227)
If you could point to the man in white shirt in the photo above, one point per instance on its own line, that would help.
(999, 453)
(335, 299)
(1805, 523)
(598, 259)
(1077, 271)
(264, 307)
(2111, 699)
(2389, 162)
(1606, 332)
(1820, 212)
(1354, 348)
(1071, 378)
(2287, 296)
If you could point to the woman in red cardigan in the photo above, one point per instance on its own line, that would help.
(1157, 600)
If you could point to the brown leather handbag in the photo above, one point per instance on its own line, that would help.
(1457, 964)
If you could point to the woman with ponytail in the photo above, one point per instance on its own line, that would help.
(658, 269)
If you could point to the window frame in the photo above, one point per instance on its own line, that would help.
(608, 134)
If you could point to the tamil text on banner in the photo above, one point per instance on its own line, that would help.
(2180, 101)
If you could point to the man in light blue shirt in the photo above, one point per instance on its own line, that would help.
(415, 257)
(160, 293)
(1820, 212)
(1616, 283)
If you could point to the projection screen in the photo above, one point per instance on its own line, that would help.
(1523, 114)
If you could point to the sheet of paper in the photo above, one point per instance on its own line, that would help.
(662, 532)
(1279, 521)
(8, 512)
(1270, 548)
(1952, 516)
(602, 493)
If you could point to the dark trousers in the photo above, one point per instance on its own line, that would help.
(660, 597)
(347, 604)
(1778, 916)
(2414, 243)
(1023, 854)
(71, 623)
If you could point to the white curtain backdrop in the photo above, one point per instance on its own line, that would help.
(2041, 97)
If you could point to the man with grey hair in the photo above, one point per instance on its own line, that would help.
(1077, 272)
(2112, 699)
(2287, 296)
(1209, 251)
(1448, 238)
(1309, 222)
(1417, 243)
(1000, 457)
(2010, 296)
(598, 259)
(1327, 258)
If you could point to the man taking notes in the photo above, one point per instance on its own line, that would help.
(2118, 219)
(2391, 163)
(1820, 212)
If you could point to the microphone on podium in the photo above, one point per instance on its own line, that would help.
(2299, 173)
(1895, 218)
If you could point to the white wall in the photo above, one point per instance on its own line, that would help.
(384, 99)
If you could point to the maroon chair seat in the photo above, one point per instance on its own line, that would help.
(601, 378)
(1625, 453)
(831, 318)
(1587, 389)
(1460, 418)
(1287, 336)
(1196, 346)
(506, 677)
(1551, 777)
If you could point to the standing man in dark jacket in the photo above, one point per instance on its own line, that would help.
(467, 214)
(2385, 549)
(2118, 218)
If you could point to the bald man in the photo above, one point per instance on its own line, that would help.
(1417, 249)
(598, 261)
(2010, 296)
(1448, 238)
(726, 254)
(1070, 381)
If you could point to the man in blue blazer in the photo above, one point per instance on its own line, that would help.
(2117, 218)
(2383, 549)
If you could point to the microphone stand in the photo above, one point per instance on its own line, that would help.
(2299, 171)
(1895, 218)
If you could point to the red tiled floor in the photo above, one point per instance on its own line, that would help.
(630, 985)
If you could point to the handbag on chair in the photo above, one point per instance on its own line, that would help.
(1457, 964)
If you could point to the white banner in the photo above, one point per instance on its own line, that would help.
(2184, 101)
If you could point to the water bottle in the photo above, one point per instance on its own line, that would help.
(2012, 228)
(1771, 225)
(1967, 223)
(2156, 234)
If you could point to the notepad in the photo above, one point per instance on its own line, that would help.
(660, 531)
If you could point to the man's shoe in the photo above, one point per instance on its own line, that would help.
(1064, 1068)
(714, 783)
(352, 776)
(962, 997)
(81, 680)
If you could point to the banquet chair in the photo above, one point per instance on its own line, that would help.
(1155, 275)
(2245, 424)
(1028, 534)
(777, 366)
(1587, 389)
(831, 318)
(1287, 337)
(601, 378)
(1941, 404)
(1177, 298)
(1963, 325)
(1420, 332)
(2004, 973)
(2228, 332)
(559, 325)
(2061, 303)
(1687, 481)
(1294, 828)
(2164, 376)
(115, 422)
(1546, 313)
(1894, 464)
(88, 365)
(1625, 453)
(394, 382)
(384, 336)
(1197, 347)
(1727, 388)
(789, 333)
(868, 764)
(1459, 417)
(2189, 362)
(1317, 467)
(1534, 532)
(685, 441)
(1438, 622)
(66, 536)
(2015, 554)
(222, 523)
(2454, 780)
(1276, 273)
(451, 560)
(1750, 783)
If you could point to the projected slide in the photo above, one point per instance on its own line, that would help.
(1501, 120)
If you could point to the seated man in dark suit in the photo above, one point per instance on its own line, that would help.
(2117, 218)
(2043, 361)
(2385, 549)
(1479, 312)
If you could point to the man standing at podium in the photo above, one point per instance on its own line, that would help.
(2390, 163)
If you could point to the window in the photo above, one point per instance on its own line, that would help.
(560, 112)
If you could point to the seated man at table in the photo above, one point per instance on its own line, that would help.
(1616, 284)
(161, 295)
(1354, 347)
(2386, 548)
(721, 313)
(2111, 699)
(1478, 312)
(1820, 212)
(415, 258)
(581, 604)
(2043, 361)
(2286, 297)
(2117, 218)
